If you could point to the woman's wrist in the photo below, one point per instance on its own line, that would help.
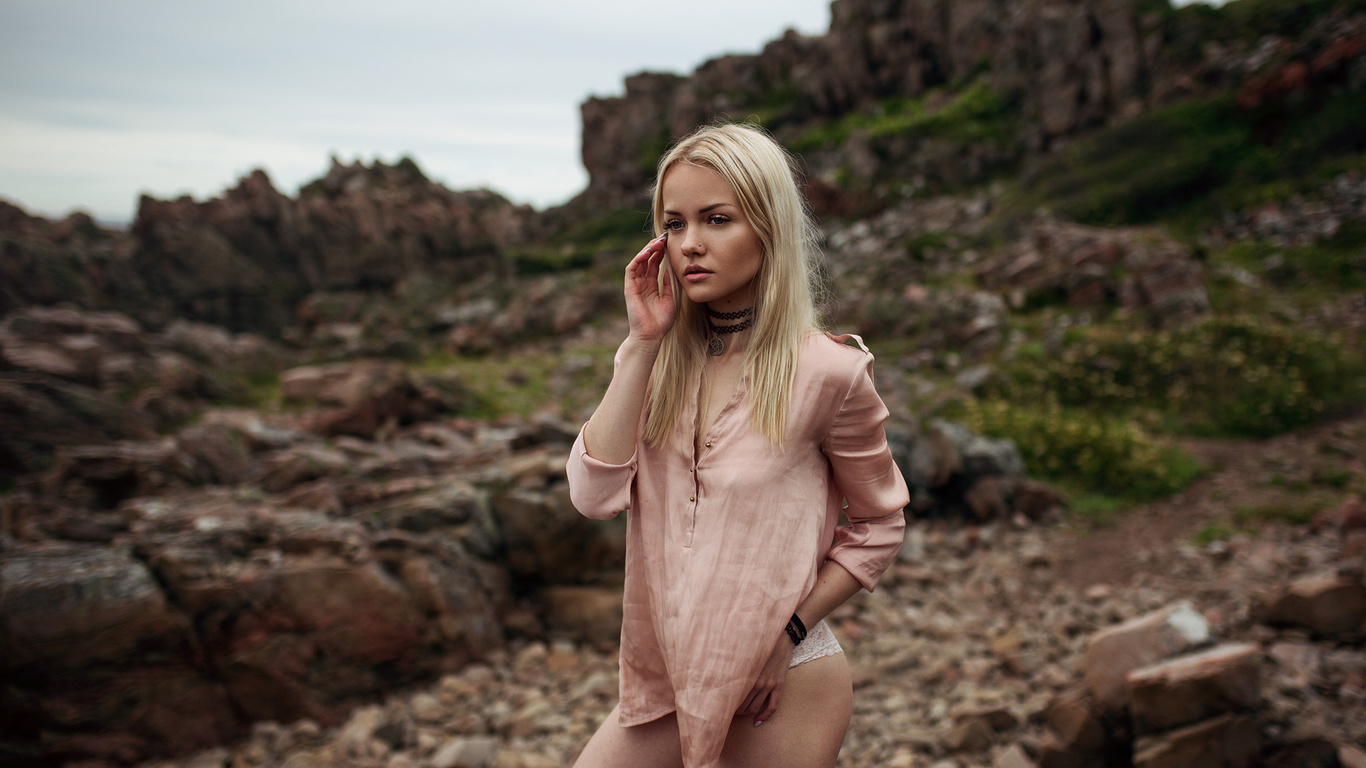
(636, 346)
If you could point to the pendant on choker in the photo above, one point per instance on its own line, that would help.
(716, 346)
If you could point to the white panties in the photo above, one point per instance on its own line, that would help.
(819, 642)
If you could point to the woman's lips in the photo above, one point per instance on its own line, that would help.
(696, 275)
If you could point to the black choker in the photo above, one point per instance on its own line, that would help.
(716, 346)
(736, 315)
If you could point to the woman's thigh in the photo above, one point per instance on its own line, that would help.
(806, 731)
(649, 745)
(809, 726)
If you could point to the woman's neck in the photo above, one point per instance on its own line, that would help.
(729, 330)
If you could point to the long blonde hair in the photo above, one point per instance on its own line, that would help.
(763, 176)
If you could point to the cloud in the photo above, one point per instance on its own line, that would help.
(99, 100)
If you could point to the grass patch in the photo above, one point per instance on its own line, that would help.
(975, 113)
(1335, 264)
(1114, 460)
(1212, 533)
(523, 382)
(576, 246)
(1238, 376)
(1188, 161)
(1250, 516)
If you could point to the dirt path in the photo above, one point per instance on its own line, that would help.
(1252, 483)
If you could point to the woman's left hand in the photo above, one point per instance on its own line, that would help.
(768, 688)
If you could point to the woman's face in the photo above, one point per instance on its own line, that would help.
(713, 249)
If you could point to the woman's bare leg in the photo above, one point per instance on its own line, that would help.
(809, 726)
(806, 731)
(649, 745)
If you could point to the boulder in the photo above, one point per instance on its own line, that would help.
(1114, 652)
(42, 413)
(548, 541)
(1198, 686)
(74, 607)
(467, 752)
(1328, 605)
(103, 476)
(1074, 734)
(1227, 741)
(590, 614)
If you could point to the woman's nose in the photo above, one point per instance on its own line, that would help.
(693, 242)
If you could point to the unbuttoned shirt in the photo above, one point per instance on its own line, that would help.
(724, 543)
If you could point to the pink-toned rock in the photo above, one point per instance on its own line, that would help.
(467, 752)
(102, 476)
(972, 734)
(1328, 605)
(1227, 741)
(1013, 756)
(1114, 652)
(1195, 687)
(1354, 545)
(592, 614)
(1351, 516)
(1074, 735)
(1351, 757)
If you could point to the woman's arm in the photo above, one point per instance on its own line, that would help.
(875, 492)
(610, 436)
(834, 585)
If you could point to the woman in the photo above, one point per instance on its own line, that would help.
(734, 432)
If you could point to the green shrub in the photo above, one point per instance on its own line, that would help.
(625, 230)
(1241, 375)
(1295, 513)
(1107, 456)
(1211, 533)
(1147, 167)
(975, 113)
(1191, 160)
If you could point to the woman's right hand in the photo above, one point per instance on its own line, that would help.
(650, 309)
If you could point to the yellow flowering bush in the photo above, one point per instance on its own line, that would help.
(1241, 375)
(1107, 456)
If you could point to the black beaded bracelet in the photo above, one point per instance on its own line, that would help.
(796, 630)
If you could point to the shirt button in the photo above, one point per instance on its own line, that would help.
(692, 498)
(708, 443)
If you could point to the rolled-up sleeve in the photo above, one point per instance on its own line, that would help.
(873, 487)
(598, 490)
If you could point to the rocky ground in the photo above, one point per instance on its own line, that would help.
(958, 655)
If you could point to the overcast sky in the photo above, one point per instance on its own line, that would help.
(102, 100)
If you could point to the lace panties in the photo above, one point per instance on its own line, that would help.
(819, 642)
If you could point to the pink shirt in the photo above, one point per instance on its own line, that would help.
(724, 545)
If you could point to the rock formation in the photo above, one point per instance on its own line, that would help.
(1059, 68)
(246, 259)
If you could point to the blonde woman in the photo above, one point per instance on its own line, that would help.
(733, 433)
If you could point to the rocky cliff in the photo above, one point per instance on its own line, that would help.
(245, 259)
(1035, 75)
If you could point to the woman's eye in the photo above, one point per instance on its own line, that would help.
(675, 224)
(718, 219)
